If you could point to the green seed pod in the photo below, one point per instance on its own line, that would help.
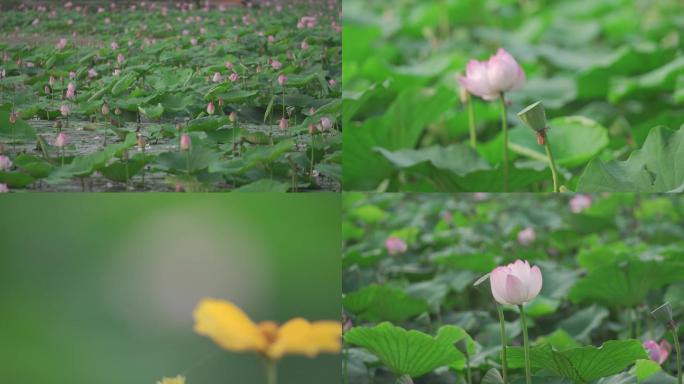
(534, 116)
(663, 313)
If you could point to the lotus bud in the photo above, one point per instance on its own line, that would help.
(217, 77)
(332, 83)
(105, 109)
(579, 203)
(62, 140)
(395, 245)
(141, 141)
(71, 91)
(114, 46)
(47, 89)
(210, 108)
(275, 64)
(304, 46)
(3, 188)
(283, 124)
(229, 65)
(52, 81)
(185, 142)
(516, 283)
(234, 77)
(326, 123)
(5, 163)
(489, 79)
(232, 117)
(117, 111)
(282, 79)
(72, 75)
(120, 58)
(64, 109)
(526, 236)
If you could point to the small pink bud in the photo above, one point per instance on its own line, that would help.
(232, 117)
(3, 188)
(526, 236)
(271, 38)
(47, 90)
(282, 79)
(92, 73)
(71, 91)
(62, 140)
(275, 64)
(210, 108)
(229, 65)
(395, 245)
(64, 109)
(5, 163)
(114, 46)
(283, 124)
(579, 203)
(233, 77)
(304, 46)
(72, 75)
(326, 123)
(217, 77)
(185, 142)
(120, 58)
(332, 83)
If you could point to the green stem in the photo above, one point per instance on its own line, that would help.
(143, 168)
(345, 375)
(469, 378)
(526, 345)
(504, 364)
(312, 159)
(127, 177)
(187, 161)
(504, 129)
(552, 165)
(271, 372)
(471, 122)
(678, 349)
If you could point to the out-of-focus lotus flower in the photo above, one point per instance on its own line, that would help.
(480, 196)
(52, 81)
(71, 91)
(275, 64)
(579, 203)
(61, 44)
(229, 65)
(283, 124)
(489, 79)
(304, 45)
(282, 79)
(232, 117)
(271, 39)
(658, 352)
(116, 72)
(185, 142)
(62, 140)
(72, 75)
(516, 283)
(217, 77)
(234, 77)
(92, 73)
(64, 109)
(13, 117)
(193, 41)
(47, 89)
(5, 163)
(395, 245)
(105, 109)
(114, 46)
(527, 236)
(211, 108)
(120, 58)
(229, 327)
(172, 380)
(326, 123)
(332, 83)
(3, 188)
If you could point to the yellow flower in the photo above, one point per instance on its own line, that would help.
(228, 326)
(176, 380)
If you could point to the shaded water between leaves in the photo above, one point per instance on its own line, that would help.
(86, 137)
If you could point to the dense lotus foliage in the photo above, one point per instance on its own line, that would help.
(418, 306)
(424, 80)
(115, 96)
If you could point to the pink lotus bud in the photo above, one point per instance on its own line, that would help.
(229, 65)
(579, 203)
(488, 79)
(232, 117)
(216, 78)
(72, 75)
(395, 245)
(185, 142)
(5, 163)
(114, 46)
(105, 109)
(275, 64)
(526, 236)
(92, 73)
(64, 109)
(304, 46)
(3, 188)
(61, 44)
(62, 140)
(332, 83)
(283, 124)
(271, 38)
(46, 89)
(193, 41)
(71, 91)
(658, 352)
(52, 81)
(515, 283)
(282, 79)
(233, 77)
(120, 58)
(326, 123)
(312, 129)
(210, 108)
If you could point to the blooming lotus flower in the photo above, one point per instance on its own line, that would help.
(229, 327)
(515, 283)
(527, 236)
(658, 352)
(283, 124)
(62, 140)
(210, 108)
(234, 77)
(185, 142)
(5, 163)
(395, 245)
(489, 79)
(579, 203)
(217, 77)
(64, 109)
(282, 79)
(3, 188)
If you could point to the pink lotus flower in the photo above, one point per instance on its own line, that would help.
(395, 245)
(105, 109)
(3, 188)
(579, 203)
(283, 124)
(282, 79)
(234, 77)
(217, 77)
(61, 44)
(232, 117)
(211, 108)
(72, 75)
(62, 140)
(271, 39)
(185, 142)
(658, 352)
(5, 163)
(515, 283)
(489, 79)
(229, 65)
(92, 73)
(526, 236)
(114, 46)
(64, 109)
(304, 46)
(332, 83)
(326, 123)
(275, 64)
(120, 58)
(71, 91)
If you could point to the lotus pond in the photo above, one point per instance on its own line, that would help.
(419, 308)
(166, 96)
(609, 73)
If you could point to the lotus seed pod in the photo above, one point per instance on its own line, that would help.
(663, 313)
(534, 116)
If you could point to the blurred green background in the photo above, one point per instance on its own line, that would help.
(101, 288)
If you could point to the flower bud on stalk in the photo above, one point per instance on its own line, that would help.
(211, 108)
(185, 142)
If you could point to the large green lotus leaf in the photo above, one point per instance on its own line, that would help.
(399, 128)
(152, 111)
(574, 140)
(265, 185)
(405, 352)
(660, 79)
(581, 323)
(459, 159)
(19, 131)
(197, 158)
(625, 284)
(381, 302)
(656, 167)
(582, 364)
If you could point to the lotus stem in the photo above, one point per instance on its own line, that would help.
(187, 161)
(469, 378)
(312, 159)
(552, 165)
(271, 372)
(345, 374)
(526, 345)
(504, 364)
(471, 122)
(678, 349)
(504, 129)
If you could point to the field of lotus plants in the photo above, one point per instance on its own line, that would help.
(506, 96)
(577, 289)
(168, 96)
